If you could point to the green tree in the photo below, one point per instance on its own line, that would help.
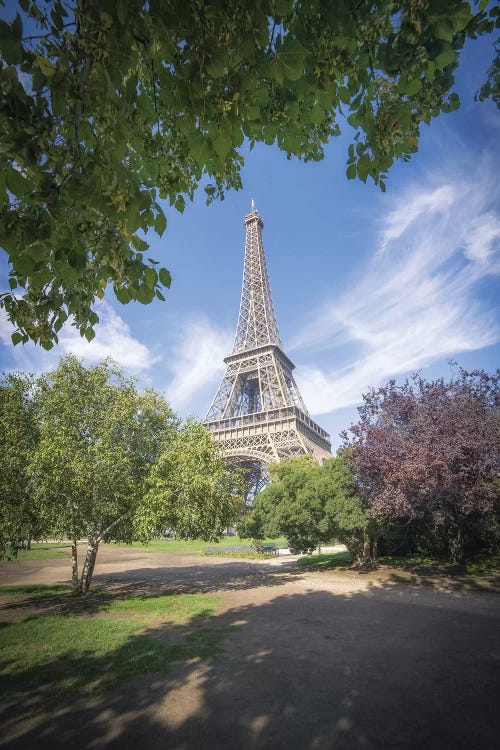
(284, 508)
(19, 520)
(99, 439)
(190, 489)
(311, 504)
(107, 106)
(346, 514)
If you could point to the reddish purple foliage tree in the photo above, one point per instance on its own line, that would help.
(431, 450)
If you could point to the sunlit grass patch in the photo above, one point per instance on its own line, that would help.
(327, 561)
(172, 607)
(189, 545)
(484, 565)
(38, 552)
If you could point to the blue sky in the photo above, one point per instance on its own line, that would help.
(366, 285)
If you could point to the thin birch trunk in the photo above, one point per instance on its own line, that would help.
(74, 566)
(88, 566)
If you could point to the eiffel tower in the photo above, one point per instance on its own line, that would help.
(258, 415)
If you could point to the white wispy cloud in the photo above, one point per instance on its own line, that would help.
(113, 339)
(417, 300)
(196, 364)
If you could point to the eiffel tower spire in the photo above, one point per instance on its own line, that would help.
(258, 414)
(257, 324)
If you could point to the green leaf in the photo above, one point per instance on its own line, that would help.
(17, 338)
(122, 11)
(317, 114)
(46, 66)
(144, 294)
(200, 148)
(413, 87)
(150, 277)
(283, 7)
(165, 277)
(89, 334)
(17, 183)
(344, 95)
(77, 260)
(447, 57)
(217, 66)
(363, 167)
(461, 17)
(351, 171)
(222, 145)
(123, 294)
(160, 224)
(180, 204)
(12, 283)
(138, 243)
(444, 30)
(10, 44)
(292, 55)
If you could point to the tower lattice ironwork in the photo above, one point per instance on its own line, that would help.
(258, 415)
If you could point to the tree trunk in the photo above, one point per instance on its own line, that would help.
(74, 567)
(360, 550)
(88, 566)
(457, 544)
(90, 557)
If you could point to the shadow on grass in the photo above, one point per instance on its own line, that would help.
(87, 669)
(380, 668)
(148, 583)
(480, 573)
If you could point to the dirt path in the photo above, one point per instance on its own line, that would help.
(318, 661)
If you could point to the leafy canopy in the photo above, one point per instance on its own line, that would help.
(311, 504)
(109, 106)
(190, 489)
(430, 451)
(99, 438)
(18, 437)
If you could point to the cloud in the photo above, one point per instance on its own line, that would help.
(417, 300)
(197, 363)
(113, 339)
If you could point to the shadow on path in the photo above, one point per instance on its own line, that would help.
(312, 671)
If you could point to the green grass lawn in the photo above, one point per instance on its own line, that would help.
(105, 638)
(327, 561)
(191, 545)
(40, 551)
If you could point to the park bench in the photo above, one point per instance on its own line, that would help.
(267, 547)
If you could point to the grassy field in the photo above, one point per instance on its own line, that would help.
(191, 545)
(93, 643)
(326, 561)
(40, 551)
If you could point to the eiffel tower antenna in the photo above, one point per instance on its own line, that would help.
(258, 415)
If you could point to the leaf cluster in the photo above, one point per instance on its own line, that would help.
(108, 107)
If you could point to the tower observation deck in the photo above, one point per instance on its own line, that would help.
(258, 415)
